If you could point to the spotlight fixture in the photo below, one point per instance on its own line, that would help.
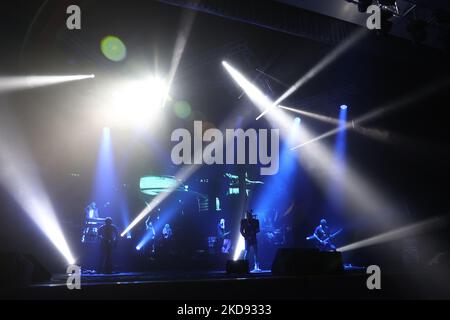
(344, 107)
(140, 101)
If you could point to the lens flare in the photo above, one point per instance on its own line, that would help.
(113, 48)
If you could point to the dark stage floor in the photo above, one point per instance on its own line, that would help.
(221, 286)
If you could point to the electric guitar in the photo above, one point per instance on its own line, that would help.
(324, 244)
(224, 235)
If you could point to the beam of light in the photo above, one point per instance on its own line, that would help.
(403, 102)
(325, 62)
(277, 191)
(124, 213)
(278, 119)
(105, 183)
(165, 216)
(318, 161)
(312, 115)
(361, 194)
(181, 176)
(341, 143)
(373, 133)
(139, 102)
(253, 92)
(406, 231)
(260, 100)
(20, 178)
(335, 190)
(14, 83)
(240, 246)
(180, 44)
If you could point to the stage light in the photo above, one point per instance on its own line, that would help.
(325, 62)
(139, 102)
(278, 118)
(239, 248)
(260, 100)
(105, 183)
(312, 115)
(373, 133)
(184, 31)
(408, 99)
(20, 178)
(165, 216)
(406, 231)
(318, 161)
(335, 193)
(13, 83)
(253, 93)
(181, 176)
(363, 197)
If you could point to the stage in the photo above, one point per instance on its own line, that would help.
(162, 149)
(218, 285)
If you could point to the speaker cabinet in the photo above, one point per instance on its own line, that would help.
(306, 262)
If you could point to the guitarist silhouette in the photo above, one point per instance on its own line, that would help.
(322, 237)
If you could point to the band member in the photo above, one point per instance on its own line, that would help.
(149, 228)
(165, 245)
(223, 240)
(91, 211)
(249, 229)
(108, 235)
(323, 237)
(167, 232)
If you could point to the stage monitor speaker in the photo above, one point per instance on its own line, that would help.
(296, 261)
(237, 267)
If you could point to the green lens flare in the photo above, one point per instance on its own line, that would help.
(113, 48)
(182, 109)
